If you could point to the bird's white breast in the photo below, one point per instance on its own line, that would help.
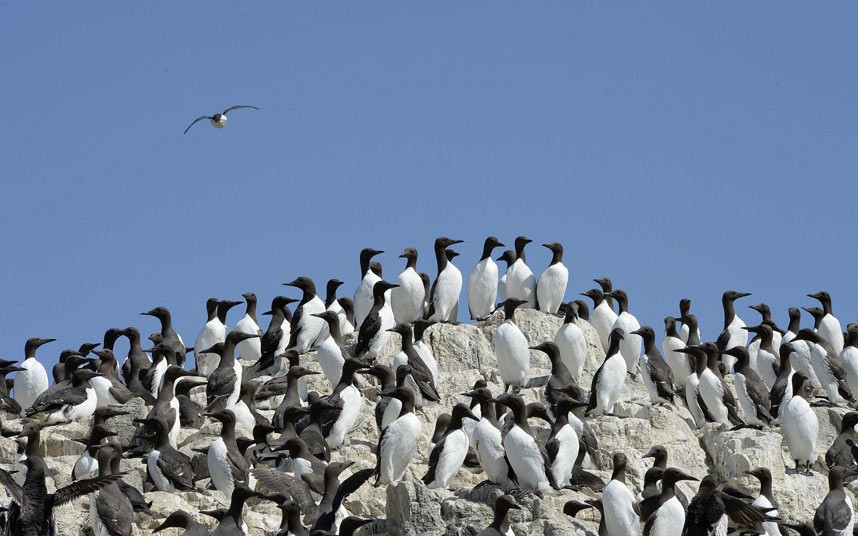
(455, 449)
(406, 300)
(573, 348)
(552, 287)
(526, 459)
(512, 352)
(483, 288)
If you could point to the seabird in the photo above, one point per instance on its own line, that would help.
(109, 390)
(849, 357)
(331, 353)
(291, 396)
(397, 443)
(363, 300)
(227, 466)
(609, 378)
(766, 362)
(827, 365)
(829, 327)
(766, 500)
(526, 457)
(799, 424)
(88, 461)
(249, 349)
(602, 317)
(619, 502)
(37, 505)
(487, 439)
(733, 334)
(664, 514)
(306, 329)
(373, 333)
(750, 389)
(835, 516)
(716, 394)
(782, 389)
(346, 396)
(507, 257)
(224, 383)
(520, 281)
(677, 362)
(213, 332)
(657, 375)
(332, 303)
(166, 406)
(563, 444)
(33, 380)
(182, 520)
(630, 345)
(68, 405)
(110, 509)
(169, 336)
(274, 341)
(511, 348)
(420, 379)
(450, 451)
(483, 282)
(386, 381)
(441, 424)
(711, 507)
(561, 382)
(232, 523)
(500, 523)
(551, 286)
(445, 291)
(219, 120)
(169, 469)
(406, 300)
(571, 341)
(684, 330)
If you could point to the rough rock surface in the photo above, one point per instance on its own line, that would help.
(465, 354)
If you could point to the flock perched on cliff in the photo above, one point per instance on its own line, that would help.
(247, 371)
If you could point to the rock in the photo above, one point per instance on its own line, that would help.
(412, 511)
(465, 354)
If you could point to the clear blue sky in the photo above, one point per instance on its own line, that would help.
(681, 151)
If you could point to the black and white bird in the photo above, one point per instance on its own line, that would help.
(363, 299)
(500, 523)
(407, 300)
(766, 499)
(219, 120)
(657, 375)
(450, 451)
(551, 286)
(835, 515)
(571, 341)
(169, 469)
(751, 391)
(373, 332)
(483, 282)
(520, 281)
(444, 295)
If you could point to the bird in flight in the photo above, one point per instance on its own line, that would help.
(218, 120)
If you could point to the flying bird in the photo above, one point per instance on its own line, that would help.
(218, 120)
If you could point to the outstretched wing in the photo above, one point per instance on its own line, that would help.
(231, 108)
(82, 487)
(198, 119)
(12, 487)
(346, 488)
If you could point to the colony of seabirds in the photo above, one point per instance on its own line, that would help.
(287, 460)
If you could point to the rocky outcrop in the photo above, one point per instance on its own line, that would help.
(465, 354)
